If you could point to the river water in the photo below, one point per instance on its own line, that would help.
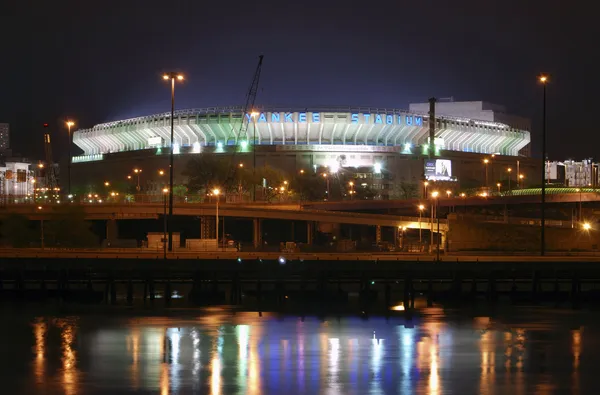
(218, 351)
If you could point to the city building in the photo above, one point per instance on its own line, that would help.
(472, 147)
(16, 181)
(4, 137)
(571, 173)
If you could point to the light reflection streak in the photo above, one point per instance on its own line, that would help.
(39, 329)
(434, 377)
(69, 356)
(254, 383)
(376, 357)
(576, 348)
(134, 342)
(174, 345)
(196, 352)
(334, 369)
(243, 334)
(406, 362)
(300, 363)
(488, 362)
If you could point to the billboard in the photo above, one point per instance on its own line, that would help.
(438, 170)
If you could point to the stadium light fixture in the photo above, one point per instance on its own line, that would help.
(377, 168)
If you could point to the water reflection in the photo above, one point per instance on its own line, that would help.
(40, 328)
(68, 331)
(247, 354)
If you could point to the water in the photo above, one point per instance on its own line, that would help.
(214, 351)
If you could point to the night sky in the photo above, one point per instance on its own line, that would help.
(104, 62)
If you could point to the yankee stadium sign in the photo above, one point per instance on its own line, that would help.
(315, 117)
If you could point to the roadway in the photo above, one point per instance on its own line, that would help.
(133, 254)
(279, 212)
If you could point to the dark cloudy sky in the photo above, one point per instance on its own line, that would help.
(102, 62)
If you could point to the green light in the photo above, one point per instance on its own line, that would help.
(244, 145)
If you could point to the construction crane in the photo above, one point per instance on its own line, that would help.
(243, 132)
(50, 173)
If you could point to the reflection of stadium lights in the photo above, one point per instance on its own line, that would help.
(196, 147)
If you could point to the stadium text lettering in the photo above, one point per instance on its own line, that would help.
(315, 117)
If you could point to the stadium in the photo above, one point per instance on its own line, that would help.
(362, 141)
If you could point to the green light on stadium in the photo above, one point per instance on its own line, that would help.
(244, 145)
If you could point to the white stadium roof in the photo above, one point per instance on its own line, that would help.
(220, 127)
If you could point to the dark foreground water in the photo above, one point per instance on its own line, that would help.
(524, 351)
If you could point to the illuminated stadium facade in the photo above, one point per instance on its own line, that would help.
(396, 141)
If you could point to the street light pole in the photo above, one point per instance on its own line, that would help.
(171, 76)
(216, 192)
(509, 174)
(421, 208)
(543, 79)
(69, 124)
(253, 115)
(165, 191)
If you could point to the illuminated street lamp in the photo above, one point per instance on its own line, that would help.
(41, 228)
(421, 208)
(69, 125)
(448, 193)
(498, 185)
(138, 172)
(509, 170)
(464, 198)
(351, 184)
(425, 185)
(327, 179)
(171, 76)
(520, 181)
(543, 80)
(161, 172)
(434, 209)
(165, 192)
(106, 183)
(216, 192)
(587, 226)
(485, 162)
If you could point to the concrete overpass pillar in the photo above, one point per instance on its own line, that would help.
(207, 227)
(257, 233)
(377, 234)
(112, 231)
(309, 232)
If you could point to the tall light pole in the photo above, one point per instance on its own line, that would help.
(351, 183)
(138, 172)
(434, 197)
(485, 162)
(543, 79)
(216, 193)
(253, 115)
(165, 192)
(327, 180)
(421, 208)
(509, 170)
(171, 76)
(69, 124)
(41, 228)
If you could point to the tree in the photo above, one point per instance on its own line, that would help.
(16, 232)
(205, 172)
(68, 228)
(405, 190)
